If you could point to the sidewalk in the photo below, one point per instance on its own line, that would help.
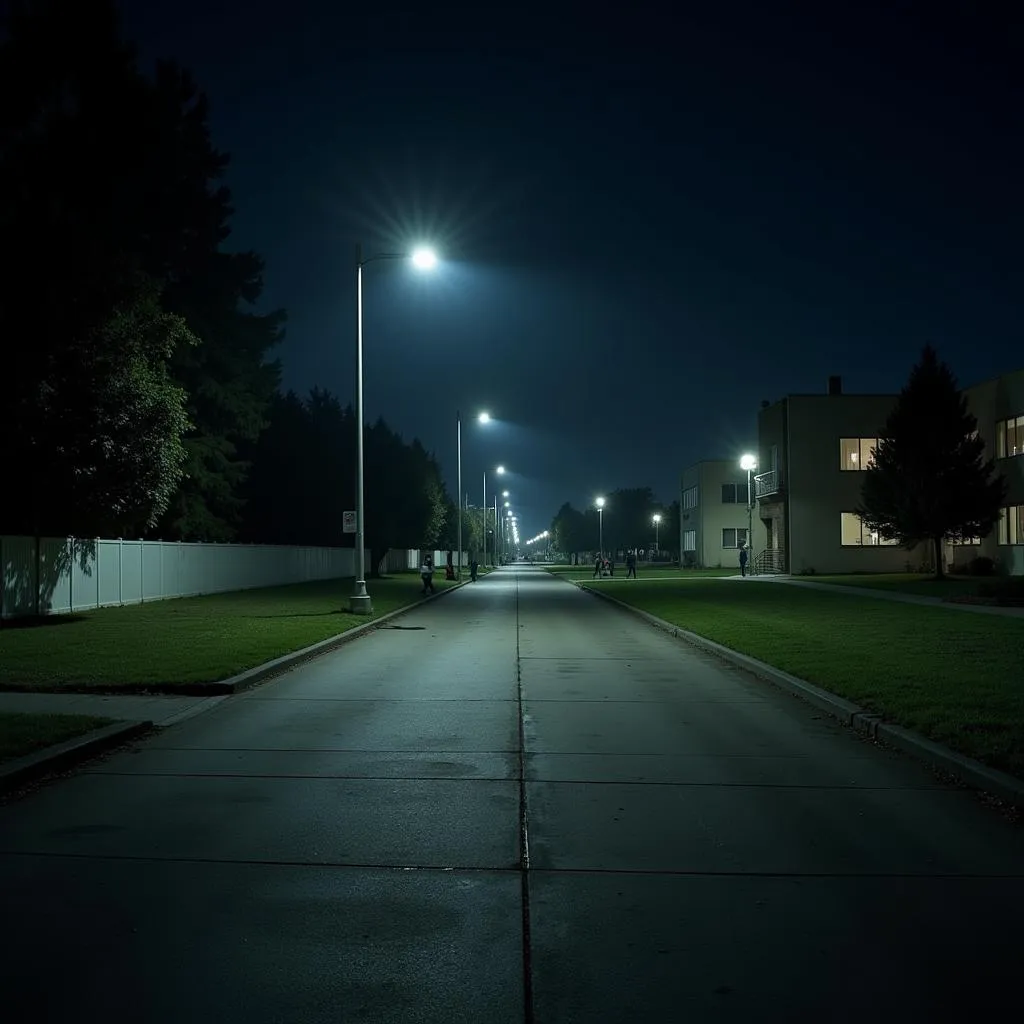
(885, 595)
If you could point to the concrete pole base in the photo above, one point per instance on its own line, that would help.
(360, 604)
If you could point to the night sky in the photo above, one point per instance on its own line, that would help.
(649, 221)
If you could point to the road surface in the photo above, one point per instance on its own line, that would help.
(523, 805)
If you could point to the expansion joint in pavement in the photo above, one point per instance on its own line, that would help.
(524, 831)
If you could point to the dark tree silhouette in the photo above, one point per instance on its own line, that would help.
(929, 479)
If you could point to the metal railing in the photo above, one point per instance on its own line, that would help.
(771, 560)
(766, 483)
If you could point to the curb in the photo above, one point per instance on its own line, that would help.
(965, 769)
(250, 677)
(68, 754)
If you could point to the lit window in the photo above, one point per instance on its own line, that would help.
(1010, 437)
(1011, 525)
(854, 533)
(690, 540)
(856, 453)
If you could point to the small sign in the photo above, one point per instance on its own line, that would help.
(348, 522)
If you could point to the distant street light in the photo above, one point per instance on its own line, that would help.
(599, 502)
(481, 418)
(423, 259)
(749, 463)
(657, 521)
(499, 470)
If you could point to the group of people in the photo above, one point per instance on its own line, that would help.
(427, 572)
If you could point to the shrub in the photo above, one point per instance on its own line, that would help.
(982, 566)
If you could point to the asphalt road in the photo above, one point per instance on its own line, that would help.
(522, 805)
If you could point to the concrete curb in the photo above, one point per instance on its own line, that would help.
(66, 755)
(965, 769)
(250, 677)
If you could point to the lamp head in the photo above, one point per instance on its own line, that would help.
(424, 258)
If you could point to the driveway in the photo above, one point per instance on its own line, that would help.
(523, 805)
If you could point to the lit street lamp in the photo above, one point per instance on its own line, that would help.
(749, 463)
(657, 522)
(483, 512)
(599, 502)
(482, 418)
(423, 259)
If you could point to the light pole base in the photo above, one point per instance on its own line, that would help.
(359, 603)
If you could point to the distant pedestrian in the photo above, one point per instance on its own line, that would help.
(474, 566)
(743, 560)
(631, 564)
(598, 565)
(427, 575)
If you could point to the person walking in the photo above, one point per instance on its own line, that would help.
(474, 566)
(598, 562)
(631, 564)
(743, 560)
(427, 574)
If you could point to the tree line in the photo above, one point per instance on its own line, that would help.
(141, 396)
(628, 523)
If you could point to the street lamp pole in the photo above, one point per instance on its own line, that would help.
(599, 502)
(458, 418)
(749, 463)
(360, 602)
(657, 525)
(483, 520)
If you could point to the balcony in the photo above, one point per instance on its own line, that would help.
(766, 485)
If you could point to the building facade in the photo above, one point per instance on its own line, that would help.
(713, 515)
(812, 453)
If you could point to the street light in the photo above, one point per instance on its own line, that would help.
(423, 259)
(483, 512)
(749, 463)
(599, 502)
(483, 417)
(657, 520)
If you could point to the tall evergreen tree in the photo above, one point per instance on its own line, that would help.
(930, 480)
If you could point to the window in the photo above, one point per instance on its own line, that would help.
(1011, 525)
(856, 453)
(728, 494)
(733, 538)
(854, 534)
(690, 540)
(690, 497)
(1010, 437)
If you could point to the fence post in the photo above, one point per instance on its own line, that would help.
(120, 572)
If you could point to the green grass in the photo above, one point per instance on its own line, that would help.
(908, 583)
(177, 644)
(22, 734)
(957, 677)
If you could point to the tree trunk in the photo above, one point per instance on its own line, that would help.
(939, 571)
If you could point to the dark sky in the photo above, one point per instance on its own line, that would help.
(650, 221)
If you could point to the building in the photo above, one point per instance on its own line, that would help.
(812, 452)
(714, 516)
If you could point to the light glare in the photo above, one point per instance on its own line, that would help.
(424, 258)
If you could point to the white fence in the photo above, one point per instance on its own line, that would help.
(66, 575)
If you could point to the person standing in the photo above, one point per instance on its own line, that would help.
(631, 564)
(474, 566)
(598, 563)
(427, 574)
(743, 560)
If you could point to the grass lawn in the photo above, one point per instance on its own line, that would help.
(189, 640)
(21, 734)
(908, 583)
(956, 677)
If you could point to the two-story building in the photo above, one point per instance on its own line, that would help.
(812, 453)
(714, 516)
